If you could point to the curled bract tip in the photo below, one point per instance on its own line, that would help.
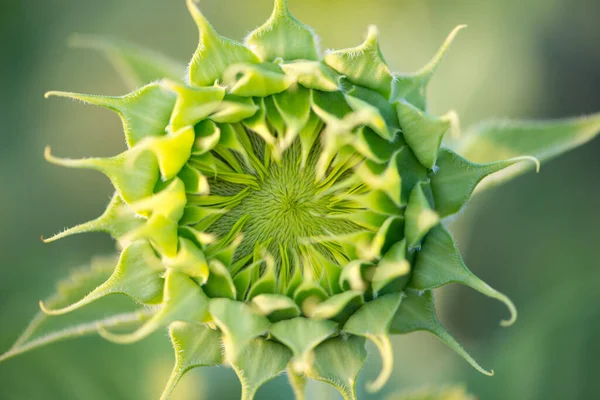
(384, 346)
(127, 338)
(513, 312)
(48, 153)
(48, 311)
(536, 161)
(44, 309)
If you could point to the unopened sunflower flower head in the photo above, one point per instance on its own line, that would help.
(276, 208)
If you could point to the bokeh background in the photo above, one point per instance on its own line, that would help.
(536, 239)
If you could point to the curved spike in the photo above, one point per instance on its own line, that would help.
(445, 337)
(373, 321)
(94, 99)
(144, 331)
(117, 220)
(72, 332)
(364, 65)
(434, 63)
(183, 300)
(384, 345)
(215, 53)
(413, 87)
(136, 65)
(283, 37)
(89, 163)
(132, 183)
(417, 313)
(439, 263)
(137, 275)
(144, 113)
(453, 184)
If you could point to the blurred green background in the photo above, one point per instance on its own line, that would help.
(536, 239)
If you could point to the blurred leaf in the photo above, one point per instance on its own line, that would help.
(43, 330)
(135, 64)
(498, 140)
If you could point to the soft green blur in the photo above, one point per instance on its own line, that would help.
(535, 239)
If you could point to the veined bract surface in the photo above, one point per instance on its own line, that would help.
(286, 206)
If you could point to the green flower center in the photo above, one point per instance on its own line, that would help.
(288, 208)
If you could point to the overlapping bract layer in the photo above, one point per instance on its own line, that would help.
(284, 206)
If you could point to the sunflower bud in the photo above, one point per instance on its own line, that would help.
(283, 205)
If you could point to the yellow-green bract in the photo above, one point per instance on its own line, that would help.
(285, 206)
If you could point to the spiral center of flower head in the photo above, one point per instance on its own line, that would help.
(286, 210)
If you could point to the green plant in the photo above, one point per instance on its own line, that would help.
(285, 206)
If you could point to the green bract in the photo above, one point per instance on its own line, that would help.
(285, 206)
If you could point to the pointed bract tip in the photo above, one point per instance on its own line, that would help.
(44, 309)
(452, 117)
(198, 17)
(58, 93)
(372, 35)
(452, 35)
